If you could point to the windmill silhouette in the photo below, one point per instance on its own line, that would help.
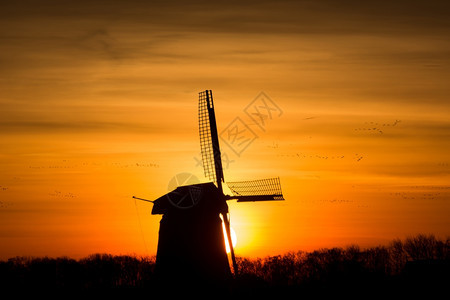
(191, 241)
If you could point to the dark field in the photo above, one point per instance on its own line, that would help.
(415, 265)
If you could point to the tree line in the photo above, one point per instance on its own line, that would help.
(419, 261)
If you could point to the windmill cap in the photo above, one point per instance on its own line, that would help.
(187, 198)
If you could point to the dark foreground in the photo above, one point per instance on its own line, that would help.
(418, 265)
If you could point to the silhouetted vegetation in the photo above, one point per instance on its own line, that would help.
(416, 263)
(419, 263)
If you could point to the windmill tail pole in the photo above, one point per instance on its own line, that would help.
(227, 228)
(146, 200)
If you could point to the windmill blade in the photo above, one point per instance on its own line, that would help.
(258, 198)
(256, 190)
(209, 140)
(226, 222)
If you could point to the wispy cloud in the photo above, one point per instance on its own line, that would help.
(75, 126)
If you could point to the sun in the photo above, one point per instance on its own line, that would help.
(233, 237)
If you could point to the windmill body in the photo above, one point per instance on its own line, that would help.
(191, 245)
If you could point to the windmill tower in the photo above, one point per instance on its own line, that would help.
(191, 239)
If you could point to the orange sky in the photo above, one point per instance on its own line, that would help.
(99, 103)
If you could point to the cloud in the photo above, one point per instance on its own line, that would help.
(86, 30)
(115, 51)
(76, 126)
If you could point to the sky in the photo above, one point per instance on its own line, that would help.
(347, 103)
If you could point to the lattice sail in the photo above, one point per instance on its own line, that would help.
(257, 190)
(209, 142)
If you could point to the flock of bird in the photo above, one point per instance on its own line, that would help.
(336, 201)
(95, 164)
(4, 204)
(67, 164)
(59, 194)
(415, 195)
(369, 126)
(357, 157)
(375, 127)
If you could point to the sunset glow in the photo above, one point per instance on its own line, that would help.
(233, 238)
(99, 104)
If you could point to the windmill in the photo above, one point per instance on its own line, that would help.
(199, 205)
(243, 191)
